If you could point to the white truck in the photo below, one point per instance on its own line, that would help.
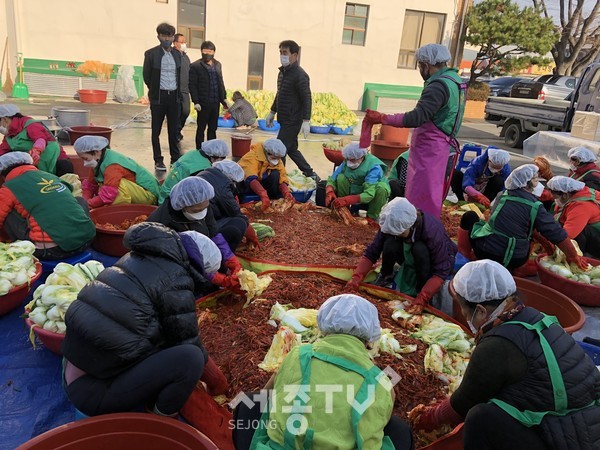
(519, 118)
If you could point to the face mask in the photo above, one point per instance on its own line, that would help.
(91, 163)
(572, 166)
(353, 165)
(491, 317)
(538, 189)
(285, 60)
(206, 57)
(493, 170)
(196, 216)
(470, 324)
(165, 43)
(183, 47)
(423, 72)
(4, 130)
(559, 202)
(273, 161)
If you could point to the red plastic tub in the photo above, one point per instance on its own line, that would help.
(240, 145)
(51, 340)
(92, 95)
(387, 149)
(79, 168)
(394, 134)
(584, 294)
(13, 298)
(123, 431)
(76, 132)
(110, 242)
(335, 156)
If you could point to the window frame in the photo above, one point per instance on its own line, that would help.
(187, 30)
(354, 29)
(252, 77)
(408, 53)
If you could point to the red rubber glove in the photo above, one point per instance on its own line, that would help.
(35, 154)
(548, 246)
(362, 269)
(285, 191)
(432, 287)
(416, 306)
(228, 282)
(259, 190)
(251, 237)
(572, 257)
(233, 264)
(329, 195)
(95, 202)
(373, 117)
(480, 198)
(433, 417)
(216, 383)
(348, 200)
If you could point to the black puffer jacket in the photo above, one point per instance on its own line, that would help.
(223, 204)
(175, 220)
(199, 83)
(293, 102)
(139, 306)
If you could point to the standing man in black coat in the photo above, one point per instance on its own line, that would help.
(208, 92)
(162, 69)
(292, 104)
(184, 110)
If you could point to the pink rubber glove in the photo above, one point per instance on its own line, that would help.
(395, 120)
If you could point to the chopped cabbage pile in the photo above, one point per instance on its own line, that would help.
(299, 182)
(557, 263)
(252, 284)
(17, 265)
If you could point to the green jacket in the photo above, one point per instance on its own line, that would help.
(143, 177)
(190, 163)
(445, 118)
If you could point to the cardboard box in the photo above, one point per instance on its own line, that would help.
(586, 125)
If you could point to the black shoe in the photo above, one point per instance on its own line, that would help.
(314, 176)
(160, 167)
(384, 281)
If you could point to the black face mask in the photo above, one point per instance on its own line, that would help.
(206, 58)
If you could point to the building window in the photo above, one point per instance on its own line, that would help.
(256, 65)
(420, 28)
(355, 24)
(191, 21)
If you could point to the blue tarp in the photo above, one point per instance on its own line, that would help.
(32, 399)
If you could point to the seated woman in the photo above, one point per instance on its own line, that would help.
(335, 370)
(115, 179)
(419, 243)
(242, 111)
(192, 163)
(484, 177)
(507, 236)
(29, 202)
(265, 173)
(360, 180)
(24, 134)
(397, 176)
(528, 384)
(584, 167)
(154, 357)
(223, 177)
(578, 211)
(188, 208)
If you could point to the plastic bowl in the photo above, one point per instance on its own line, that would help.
(78, 167)
(122, 431)
(338, 130)
(110, 242)
(320, 130)
(92, 95)
(592, 351)
(225, 123)
(262, 124)
(387, 150)
(584, 294)
(76, 132)
(51, 340)
(335, 156)
(13, 298)
(303, 196)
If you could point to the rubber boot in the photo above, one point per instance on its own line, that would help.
(216, 383)
(464, 244)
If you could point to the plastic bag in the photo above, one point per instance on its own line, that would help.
(125, 91)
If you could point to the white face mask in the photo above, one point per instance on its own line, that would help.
(559, 202)
(493, 169)
(196, 216)
(285, 60)
(273, 161)
(491, 317)
(91, 163)
(538, 189)
(4, 130)
(183, 47)
(353, 165)
(573, 167)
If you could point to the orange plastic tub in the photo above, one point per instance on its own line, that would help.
(79, 168)
(51, 340)
(110, 242)
(123, 431)
(76, 132)
(394, 134)
(13, 298)
(584, 294)
(92, 95)
(387, 149)
(335, 156)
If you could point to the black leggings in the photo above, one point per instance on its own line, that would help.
(233, 230)
(245, 420)
(165, 380)
(393, 252)
(271, 185)
(487, 427)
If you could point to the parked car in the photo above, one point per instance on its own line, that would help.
(544, 87)
(500, 87)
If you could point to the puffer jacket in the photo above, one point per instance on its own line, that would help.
(578, 214)
(175, 220)
(293, 102)
(199, 83)
(223, 204)
(139, 306)
(589, 174)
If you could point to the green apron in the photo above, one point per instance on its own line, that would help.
(261, 440)
(48, 200)
(579, 177)
(532, 418)
(22, 143)
(143, 178)
(591, 198)
(406, 278)
(483, 229)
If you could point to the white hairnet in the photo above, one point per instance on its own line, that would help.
(275, 147)
(13, 158)
(433, 54)
(397, 216)
(484, 280)
(216, 148)
(353, 151)
(521, 176)
(88, 144)
(189, 192)
(349, 314)
(498, 157)
(564, 184)
(230, 168)
(8, 110)
(211, 255)
(583, 154)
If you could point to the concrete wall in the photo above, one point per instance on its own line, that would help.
(119, 31)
